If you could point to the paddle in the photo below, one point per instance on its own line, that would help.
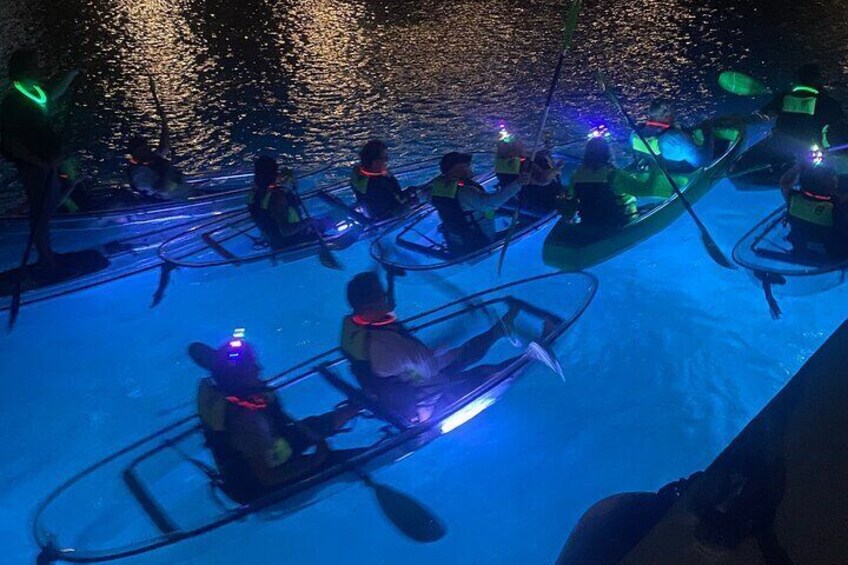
(325, 254)
(741, 84)
(568, 33)
(712, 248)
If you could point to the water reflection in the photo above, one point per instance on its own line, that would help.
(311, 79)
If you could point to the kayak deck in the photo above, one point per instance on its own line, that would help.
(155, 492)
(574, 246)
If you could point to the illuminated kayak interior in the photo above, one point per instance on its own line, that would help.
(574, 246)
(154, 492)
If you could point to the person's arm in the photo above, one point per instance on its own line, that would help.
(472, 198)
(270, 457)
(58, 90)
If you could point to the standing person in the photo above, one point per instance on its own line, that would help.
(377, 191)
(467, 211)
(30, 141)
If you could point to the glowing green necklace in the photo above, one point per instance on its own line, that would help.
(34, 93)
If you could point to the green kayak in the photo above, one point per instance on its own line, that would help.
(575, 246)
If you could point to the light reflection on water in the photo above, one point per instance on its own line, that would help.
(312, 79)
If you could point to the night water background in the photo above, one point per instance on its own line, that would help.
(310, 80)
(669, 363)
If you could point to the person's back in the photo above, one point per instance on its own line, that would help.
(806, 110)
(376, 189)
(273, 204)
(593, 186)
(466, 210)
(545, 184)
(256, 446)
(815, 208)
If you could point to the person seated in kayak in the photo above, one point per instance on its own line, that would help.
(678, 150)
(595, 191)
(274, 204)
(377, 191)
(466, 210)
(405, 376)
(817, 210)
(152, 176)
(805, 111)
(545, 185)
(510, 156)
(256, 445)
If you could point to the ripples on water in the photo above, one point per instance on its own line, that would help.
(312, 79)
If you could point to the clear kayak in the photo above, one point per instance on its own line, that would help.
(158, 490)
(106, 262)
(337, 223)
(576, 246)
(419, 244)
(767, 248)
(214, 194)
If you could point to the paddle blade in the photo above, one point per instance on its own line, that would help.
(741, 84)
(328, 259)
(202, 354)
(15, 307)
(571, 23)
(715, 252)
(408, 515)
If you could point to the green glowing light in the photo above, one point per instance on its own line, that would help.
(34, 93)
(741, 84)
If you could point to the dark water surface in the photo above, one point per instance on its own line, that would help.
(311, 79)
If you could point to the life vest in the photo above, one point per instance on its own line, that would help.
(260, 199)
(651, 131)
(812, 208)
(217, 411)
(508, 165)
(798, 113)
(802, 100)
(380, 193)
(356, 347)
(599, 204)
(444, 196)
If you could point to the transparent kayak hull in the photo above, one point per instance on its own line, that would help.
(150, 493)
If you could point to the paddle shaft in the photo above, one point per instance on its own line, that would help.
(712, 247)
(571, 23)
